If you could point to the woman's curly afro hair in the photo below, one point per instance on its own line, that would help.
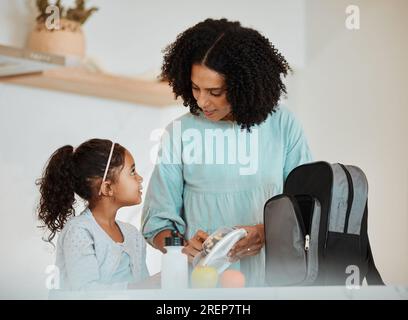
(250, 64)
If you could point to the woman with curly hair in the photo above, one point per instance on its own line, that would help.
(229, 77)
(94, 250)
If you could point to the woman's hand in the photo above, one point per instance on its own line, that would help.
(251, 245)
(195, 245)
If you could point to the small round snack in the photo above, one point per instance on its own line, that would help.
(232, 279)
(204, 277)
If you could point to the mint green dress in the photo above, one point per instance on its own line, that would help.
(202, 181)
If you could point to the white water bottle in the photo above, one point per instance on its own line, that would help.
(174, 272)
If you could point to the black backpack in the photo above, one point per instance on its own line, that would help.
(316, 231)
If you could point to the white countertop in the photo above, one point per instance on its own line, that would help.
(261, 293)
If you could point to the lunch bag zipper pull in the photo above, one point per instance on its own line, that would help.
(307, 242)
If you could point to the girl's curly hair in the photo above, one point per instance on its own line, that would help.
(250, 64)
(69, 172)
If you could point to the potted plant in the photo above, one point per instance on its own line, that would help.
(63, 34)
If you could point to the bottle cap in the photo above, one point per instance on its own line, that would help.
(174, 240)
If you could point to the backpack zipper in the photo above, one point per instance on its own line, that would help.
(301, 222)
(326, 236)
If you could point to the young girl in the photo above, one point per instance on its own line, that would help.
(94, 250)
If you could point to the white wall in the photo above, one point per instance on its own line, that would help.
(125, 37)
(349, 91)
(352, 98)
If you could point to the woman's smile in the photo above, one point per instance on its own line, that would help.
(209, 113)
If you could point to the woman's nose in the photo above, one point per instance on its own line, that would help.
(202, 100)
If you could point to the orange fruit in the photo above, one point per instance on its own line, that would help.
(232, 279)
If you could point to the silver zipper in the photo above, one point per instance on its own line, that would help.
(307, 242)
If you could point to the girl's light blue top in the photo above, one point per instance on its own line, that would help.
(88, 258)
(187, 195)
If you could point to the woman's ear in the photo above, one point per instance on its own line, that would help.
(106, 188)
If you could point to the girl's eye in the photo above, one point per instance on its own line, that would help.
(133, 172)
(216, 94)
(195, 89)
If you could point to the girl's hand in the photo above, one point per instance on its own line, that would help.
(195, 244)
(251, 245)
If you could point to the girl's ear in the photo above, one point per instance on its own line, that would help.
(106, 188)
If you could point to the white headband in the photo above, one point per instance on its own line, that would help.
(107, 167)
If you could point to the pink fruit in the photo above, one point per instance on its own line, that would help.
(232, 279)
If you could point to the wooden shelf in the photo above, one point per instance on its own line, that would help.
(81, 81)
